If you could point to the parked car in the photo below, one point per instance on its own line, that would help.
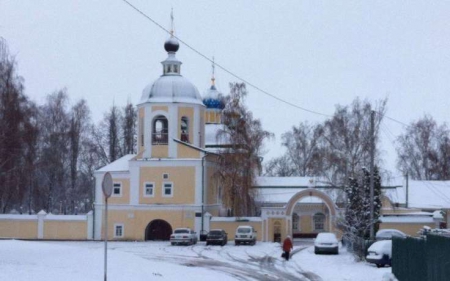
(245, 234)
(184, 236)
(387, 234)
(326, 242)
(380, 253)
(217, 236)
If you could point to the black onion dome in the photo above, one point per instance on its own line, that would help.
(171, 45)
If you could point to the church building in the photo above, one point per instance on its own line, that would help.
(170, 182)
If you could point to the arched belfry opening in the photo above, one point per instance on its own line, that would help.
(160, 130)
(158, 230)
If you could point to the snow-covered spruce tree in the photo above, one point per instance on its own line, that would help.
(353, 208)
(356, 225)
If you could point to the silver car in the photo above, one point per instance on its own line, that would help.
(183, 236)
(326, 242)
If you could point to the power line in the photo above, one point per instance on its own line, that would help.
(399, 122)
(223, 68)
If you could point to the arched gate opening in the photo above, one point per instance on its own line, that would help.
(158, 230)
(320, 219)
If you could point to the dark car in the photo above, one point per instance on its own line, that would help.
(217, 236)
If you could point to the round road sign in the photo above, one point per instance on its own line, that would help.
(107, 185)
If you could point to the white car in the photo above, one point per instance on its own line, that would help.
(326, 242)
(380, 253)
(387, 234)
(245, 234)
(184, 236)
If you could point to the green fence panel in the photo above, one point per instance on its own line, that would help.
(438, 258)
(409, 259)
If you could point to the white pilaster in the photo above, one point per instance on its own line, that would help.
(147, 132)
(98, 221)
(196, 128)
(41, 216)
(173, 130)
(198, 184)
(90, 225)
(134, 181)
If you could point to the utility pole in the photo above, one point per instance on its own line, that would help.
(372, 160)
(407, 189)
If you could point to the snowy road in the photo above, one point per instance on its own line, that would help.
(26, 260)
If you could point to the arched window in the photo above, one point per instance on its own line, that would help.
(160, 130)
(319, 222)
(295, 221)
(184, 128)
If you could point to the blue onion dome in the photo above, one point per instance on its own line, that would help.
(171, 45)
(213, 98)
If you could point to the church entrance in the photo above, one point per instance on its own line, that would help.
(158, 230)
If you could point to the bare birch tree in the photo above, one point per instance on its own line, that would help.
(241, 161)
(15, 126)
(424, 150)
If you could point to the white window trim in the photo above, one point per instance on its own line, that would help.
(165, 176)
(163, 189)
(115, 230)
(314, 222)
(121, 188)
(145, 189)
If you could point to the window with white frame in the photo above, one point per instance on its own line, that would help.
(118, 230)
(117, 189)
(149, 189)
(295, 221)
(167, 189)
(319, 222)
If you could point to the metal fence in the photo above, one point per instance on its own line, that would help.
(358, 246)
(417, 259)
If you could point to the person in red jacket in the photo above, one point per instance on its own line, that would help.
(287, 247)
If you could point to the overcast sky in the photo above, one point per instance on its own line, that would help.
(315, 54)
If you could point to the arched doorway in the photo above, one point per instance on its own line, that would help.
(158, 230)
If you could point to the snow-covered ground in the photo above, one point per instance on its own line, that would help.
(74, 261)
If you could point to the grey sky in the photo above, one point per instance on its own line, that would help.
(315, 54)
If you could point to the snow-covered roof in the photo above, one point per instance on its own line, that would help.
(438, 215)
(171, 89)
(211, 135)
(120, 165)
(237, 219)
(406, 219)
(280, 190)
(422, 194)
(279, 195)
(282, 182)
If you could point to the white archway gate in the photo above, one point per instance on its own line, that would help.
(272, 215)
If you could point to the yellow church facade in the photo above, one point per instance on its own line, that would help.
(171, 182)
